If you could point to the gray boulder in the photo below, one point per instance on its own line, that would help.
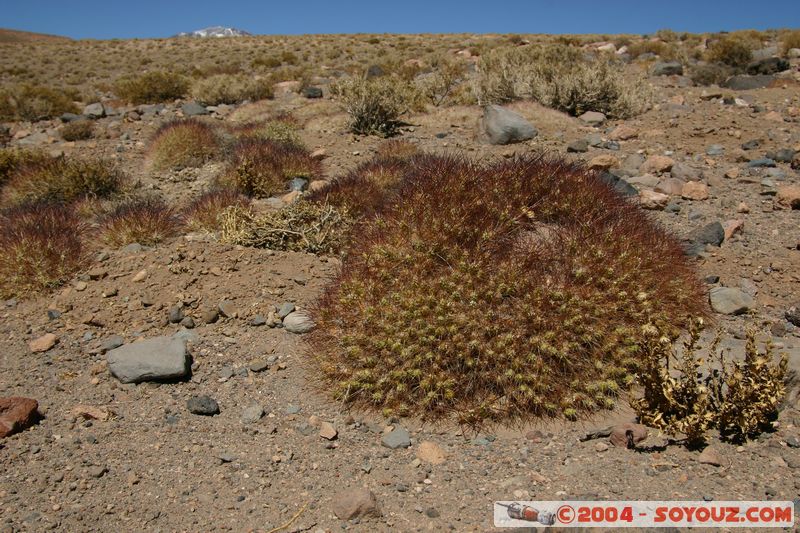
(730, 301)
(503, 126)
(159, 358)
(298, 322)
(193, 109)
(769, 65)
(747, 83)
(397, 438)
(667, 68)
(95, 110)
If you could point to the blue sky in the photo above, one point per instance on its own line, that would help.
(106, 19)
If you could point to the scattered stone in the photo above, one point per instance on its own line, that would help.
(793, 315)
(187, 322)
(623, 132)
(193, 109)
(431, 512)
(732, 227)
(627, 435)
(667, 68)
(748, 83)
(327, 431)
(97, 471)
(742, 208)
(603, 162)
(788, 197)
(17, 414)
(252, 414)
(695, 190)
(601, 447)
(140, 276)
(768, 65)
(158, 358)
(43, 343)
(657, 164)
(715, 150)
(686, 172)
(397, 438)
(111, 343)
(285, 309)
(730, 301)
(652, 200)
(175, 314)
(298, 322)
(761, 163)
(259, 366)
(710, 456)
(210, 315)
(355, 503)
(430, 452)
(202, 405)
(579, 146)
(94, 110)
(593, 118)
(90, 412)
(312, 92)
(503, 126)
(228, 309)
(258, 320)
(751, 145)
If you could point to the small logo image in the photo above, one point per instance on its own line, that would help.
(517, 511)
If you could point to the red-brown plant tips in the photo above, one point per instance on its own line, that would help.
(146, 221)
(40, 248)
(204, 212)
(261, 168)
(500, 292)
(182, 143)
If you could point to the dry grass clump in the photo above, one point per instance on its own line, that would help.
(301, 227)
(710, 73)
(34, 102)
(152, 87)
(12, 159)
(683, 395)
(397, 148)
(231, 89)
(731, 51)
(375, 105)
(40, 248)
(789, 40)
(146, 220)
(203, 214)
(78, 130)
(282, 131)
(261, 168)
(61, 179)
(499, 292)
(182, 143)
(562, 78)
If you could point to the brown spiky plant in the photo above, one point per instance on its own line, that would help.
(498, 292)
(203, 214)
(12, 159)
(182, 143)
(61, 179)
(145, 220)
(397, 149)
(261, 168)
(40, 248)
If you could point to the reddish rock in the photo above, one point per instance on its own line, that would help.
(43, 343)
(732, 227)
(694, 190)
(671, 186)
(623, 132)
(788, 197)
(657, 164)
(17, 414)
(603, 162)
(628, 435)
(652, 200)
(355, 503)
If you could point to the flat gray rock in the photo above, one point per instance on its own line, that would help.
(397, 438)
(503, 126)
(730, 301)
(155, 359)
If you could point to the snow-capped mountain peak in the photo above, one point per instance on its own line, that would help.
(215, 31)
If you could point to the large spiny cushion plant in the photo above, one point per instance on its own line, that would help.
(498, 292)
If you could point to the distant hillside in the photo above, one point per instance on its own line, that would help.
(17, 36)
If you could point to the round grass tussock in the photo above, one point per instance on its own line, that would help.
(78, 130)
(147, 221)
(271, 130)
(61, 179)
(230, 89)
(181, 144)
(152, 87)
(34, 102)
(499, 293)
(40, 248)
(203, 214)
(261, 168)
(12, 159)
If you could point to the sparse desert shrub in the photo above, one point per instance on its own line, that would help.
(397, 148)
(61, 179)
(710, 73)
(12, 159)
(182, 143)
(261, 168)
(731, 51)
(682, 394)
(375, 105)
(668, 51)
(146, 220)
(34, 102)
(301, 227)
(152, 87)
(231, 89)
(204, 212)
(789, 40)
(274, 130)
(506, 291)
(40, 248)
(78, 130)
(439, 86)
(562, 78)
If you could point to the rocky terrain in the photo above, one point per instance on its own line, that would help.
(235, 435)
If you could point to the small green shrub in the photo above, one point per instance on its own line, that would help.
(440, 86)
(375, 105)
(61, 179)
(152, 87)
(230, 89)
(730, 51)
(34, 102)
(683, 395)
(182, 143)
(261, 168)
(78, 130)
(147, 221)
(40, 248)
(203, 214)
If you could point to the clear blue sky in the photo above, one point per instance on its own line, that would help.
(106, 19)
